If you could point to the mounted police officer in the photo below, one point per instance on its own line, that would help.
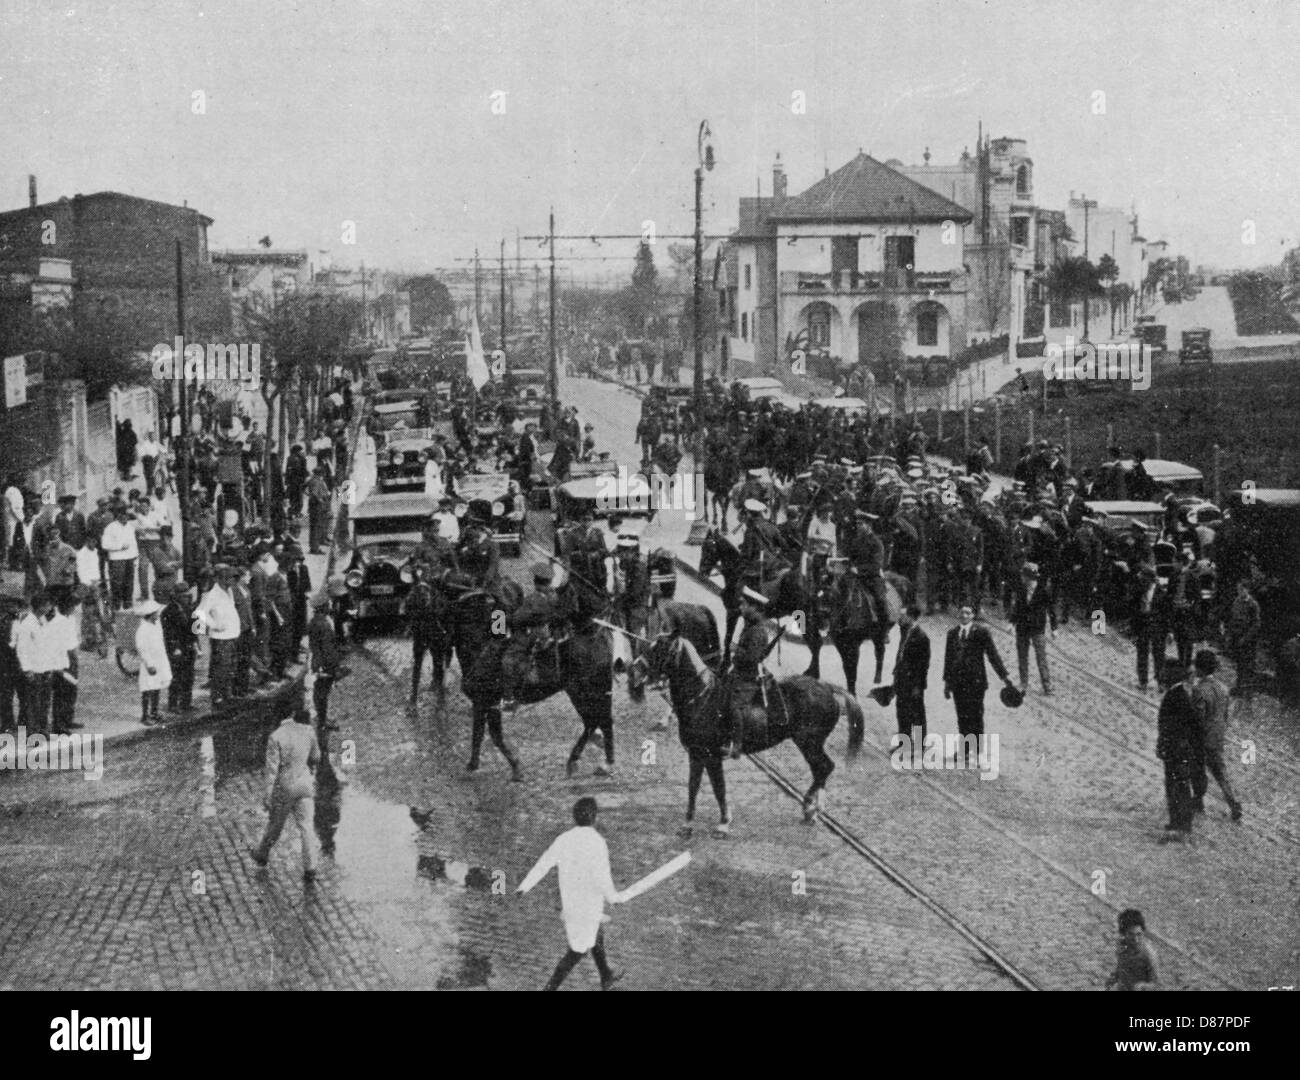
(866, 554)
(761, 549)
(748, 683)
(434, 553)
(531, 625)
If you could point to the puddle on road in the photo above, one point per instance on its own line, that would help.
(372, 845)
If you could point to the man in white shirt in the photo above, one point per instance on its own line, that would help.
(148, 539)
(292, 754)
(586, 884)
(65, 640)
(38, 655)
(118, 540)
(89, 581)
(821, 541)
(218, 618)
(448, 523)
(13, 519)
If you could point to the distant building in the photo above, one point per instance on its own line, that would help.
(866, 265)
(118, 251)
(996, 185)
(261, 277)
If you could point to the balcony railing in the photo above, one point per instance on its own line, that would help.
(853, 281)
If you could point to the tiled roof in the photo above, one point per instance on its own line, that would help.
(866, 190)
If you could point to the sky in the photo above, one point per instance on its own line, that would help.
(440, 127)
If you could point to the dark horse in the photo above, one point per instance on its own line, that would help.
(790, 592)
(579, 662)
(811, 711)
(695, 622)
(428, 617)
(851, 622)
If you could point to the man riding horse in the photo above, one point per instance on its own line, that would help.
(532, 626)
(749, 685)
(867, 555)
(762, 549)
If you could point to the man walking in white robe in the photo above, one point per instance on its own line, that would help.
(585, 885)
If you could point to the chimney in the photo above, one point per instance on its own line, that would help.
(778, 179)
(31, 190)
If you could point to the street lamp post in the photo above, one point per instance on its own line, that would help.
(704, 160)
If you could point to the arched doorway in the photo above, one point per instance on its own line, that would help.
(878, 338)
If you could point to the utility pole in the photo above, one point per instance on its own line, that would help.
(1087, 299)
(365, 325)
(554, 367)
(183, 406)
(704, 155)
(478, 302)
(503, 294)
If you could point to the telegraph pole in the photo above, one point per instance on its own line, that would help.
(554, 368)
(503, 295)
(478, 303)
(183, 407)
(704, 153)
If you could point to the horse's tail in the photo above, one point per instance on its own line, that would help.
(857, 723)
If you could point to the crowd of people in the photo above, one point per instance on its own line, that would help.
(241, 581)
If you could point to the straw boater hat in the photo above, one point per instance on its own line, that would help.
(627, 540)
(755, 507)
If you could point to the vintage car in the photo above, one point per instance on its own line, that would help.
(1153, 334)
(489, 498)
(531, 385)
(607, 495)
(398, 466)
(755, 383)
(1196, 346)
(1169, 477)
(386, 527)
(849, 405)
(402, 410)
(1115, 517)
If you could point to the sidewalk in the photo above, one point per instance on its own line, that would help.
(108, 701)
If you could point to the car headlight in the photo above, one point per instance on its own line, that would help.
(407, 574)
(354, 579)
(498, 508)
(394, 458)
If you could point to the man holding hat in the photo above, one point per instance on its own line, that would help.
(1031, 612)
(530, 625)
(965, 679)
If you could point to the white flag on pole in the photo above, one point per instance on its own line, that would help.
(475, 363)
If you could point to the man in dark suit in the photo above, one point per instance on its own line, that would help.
(1031, 612)
(964, 677)
(1178, 745)
(910, 673)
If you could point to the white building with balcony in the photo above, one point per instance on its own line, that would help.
(865, 265)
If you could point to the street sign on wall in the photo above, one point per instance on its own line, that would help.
(21, 373)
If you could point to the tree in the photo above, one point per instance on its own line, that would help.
(432, 307)
(86, 340)
(1073, 278)
(303, 336)
(641, 299)
(1107, 268)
